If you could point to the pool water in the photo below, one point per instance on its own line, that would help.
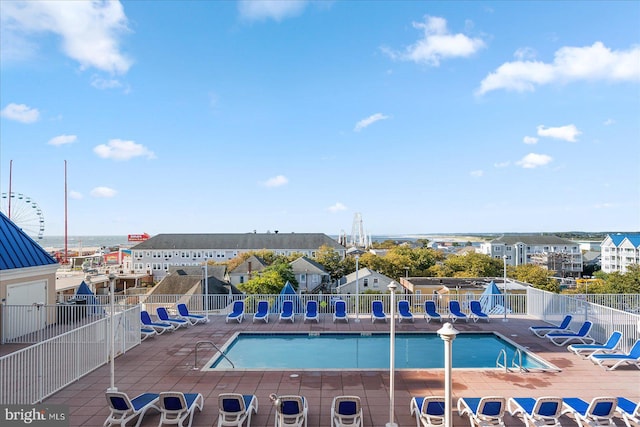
(364, 351)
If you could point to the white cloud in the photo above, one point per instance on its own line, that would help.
(337, 207)
(502, 164)
(20, 113)
(102, 83)
(530, 140)
(533, 160)
(90, 30)
(276, 181)
(103, 192)
(567, 133)
(525, 53)
(477, 173)
(62, 140)
(75, 195)
(608, 122)
(436, 44)
(595, 62)
(277, 10)
(369, 121)
(118, 149)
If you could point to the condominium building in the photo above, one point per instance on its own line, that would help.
(618, 251)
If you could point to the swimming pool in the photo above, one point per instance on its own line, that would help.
(284, 351)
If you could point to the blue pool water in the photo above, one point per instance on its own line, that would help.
(364, 351)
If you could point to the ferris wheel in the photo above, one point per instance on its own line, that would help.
(25, 213)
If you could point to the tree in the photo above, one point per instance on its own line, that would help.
(330, 259)
(270, 280)
(473, 264)
(539, 277)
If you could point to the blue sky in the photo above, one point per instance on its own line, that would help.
(234, 116)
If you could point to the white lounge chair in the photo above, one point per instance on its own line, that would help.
(629, 410)
(346, 411)
(237, 312)
(618, 359)
(377, 311)
(176, 407)
(599, 412)
(431, 312)
(541, 331)
(340, 312)
(483, 411)
(287, 311)
(184, 313)
(404, 312)
(177, 322)
(147, 332)
(124, 409)
(586, 350)
(455, 312)
(160, 327)
(235, 408)
(291, 410)
(262, 313)
(476, 312)
(562, 338)
(543, 411)
(429, 411)
(311, 313)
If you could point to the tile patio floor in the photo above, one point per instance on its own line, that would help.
(166, 363)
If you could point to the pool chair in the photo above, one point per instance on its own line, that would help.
(618, 359)
(311, 313)
(287, 311)
(262, 313)
(124, 409)
(291, 410)
(147, 332)
(237, 313)
(586, 350)
(541, 331)
(404, 312)
(183, 312)
(599, 412)
(234, 409)
(340, 312)
(177, 322)
(377, 311)
(543, 411)
(629, 411)
(160, 327)
(562, 338)
(476, 312)
(430, 311)
(455, 312)
(483, 411)
(428, 410)
(346, 411)
(176, 407)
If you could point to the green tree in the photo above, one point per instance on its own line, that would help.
(539, 277)
(330, 259)
(270, 280)
(474, 265)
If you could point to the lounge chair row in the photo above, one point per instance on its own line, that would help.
(174, 407)
(541, 411)
(167, 323)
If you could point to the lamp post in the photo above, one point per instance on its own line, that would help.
(392, 344)
(206, 289)
(357, 291)
(112, 290)
(447, 334)
(504, 287)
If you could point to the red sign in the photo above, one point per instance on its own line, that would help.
(138, 237)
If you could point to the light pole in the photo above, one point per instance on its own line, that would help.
(112, 290)
(206, 289)
(447, 334)
(504, 287)
(357, 291)
(392, 356)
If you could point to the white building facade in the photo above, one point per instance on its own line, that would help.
(619, 251)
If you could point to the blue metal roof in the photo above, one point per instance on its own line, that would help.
(18, 250)
(618, 238)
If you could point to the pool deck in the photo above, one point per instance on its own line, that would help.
(166, 362)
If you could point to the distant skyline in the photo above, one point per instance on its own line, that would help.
(230, 117)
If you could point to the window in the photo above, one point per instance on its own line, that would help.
(303, 278)
(365, 282)
(375, 280)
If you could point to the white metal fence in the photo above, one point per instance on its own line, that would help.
(29, 375)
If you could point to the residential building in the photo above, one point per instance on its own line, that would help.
(162, 251)
(367, 280)
(309, 274)
(552, 252)
(619, 251)
(246, 270)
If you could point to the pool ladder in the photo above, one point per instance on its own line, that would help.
(516, 361)
(200, 344)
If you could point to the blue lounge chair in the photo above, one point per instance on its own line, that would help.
(476, 311)
(234, 409)
(124, 409)
(629, 411)
(311, 313)
(160, 327)
(483, 411)
(377, 311)
(176, 407)
(184, 313)
(430, 311)
(597, 413)
(346, 411)
(340, 312)
(586, 350)
(163, 315)
(455, 312)
(290, 410)
(541, 331)
(618, 359)
(543, 411)
(147, 332)
(562, 338)
(287, 311)
(428, 410)
(262, 313)
(404, 311)
(237, 313)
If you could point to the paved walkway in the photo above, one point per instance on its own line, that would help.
(166, 363)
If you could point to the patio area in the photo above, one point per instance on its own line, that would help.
(166, 362)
